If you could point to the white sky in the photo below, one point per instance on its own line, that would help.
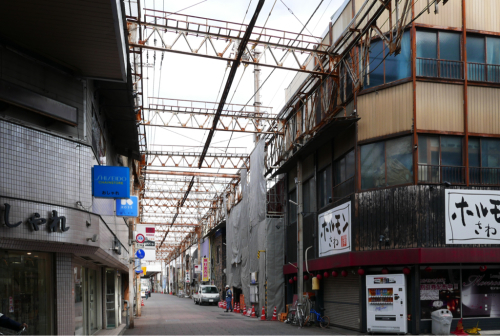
(198, 78)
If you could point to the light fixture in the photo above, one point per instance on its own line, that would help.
(344, 273)
(94, 238)
(29, 253)
(428, 269)
(334, 274)
(361, 271)
(406, 270)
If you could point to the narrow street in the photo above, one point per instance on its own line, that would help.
(168, 315)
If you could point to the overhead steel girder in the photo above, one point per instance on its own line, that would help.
(168, 210)
(219, 42)
(170, 224)
(150, 172)
(150, 179)
(191, 159)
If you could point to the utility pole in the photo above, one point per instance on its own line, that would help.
(300, 240)
(257, 102)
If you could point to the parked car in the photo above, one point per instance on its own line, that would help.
(206, 294)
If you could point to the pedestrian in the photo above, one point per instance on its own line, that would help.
(229, 297)
(6, 322)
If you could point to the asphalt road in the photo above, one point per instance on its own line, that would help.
(168, 315)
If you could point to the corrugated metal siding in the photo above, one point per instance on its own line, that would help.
(483, 15)
(386, 111)
(342, 22)
(440, 107)
(342, 301)
(450, 15)
(484, 110)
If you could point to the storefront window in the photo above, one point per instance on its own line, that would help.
(481, 293)
(440, 289)
(26, 289)
(92, 294)
(110, 299)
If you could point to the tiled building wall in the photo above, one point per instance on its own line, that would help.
(65, 301)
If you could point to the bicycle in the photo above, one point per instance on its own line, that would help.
(324, 321)
(16, 333)
(296, 316)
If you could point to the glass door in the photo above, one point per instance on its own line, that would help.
(92, 301)
(111, 299)
(78, 276)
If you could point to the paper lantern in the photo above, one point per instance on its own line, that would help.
(294, 278)
(344, 273)
(335, 274)
(290, 281)
(325, 275)
(406, 270)
(483, 268)
(361, 271)
(385, 270)
(428, 269)
(319, 276)
(306, 277)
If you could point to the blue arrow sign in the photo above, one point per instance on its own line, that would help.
(140, 254)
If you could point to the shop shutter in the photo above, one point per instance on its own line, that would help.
(342, 301)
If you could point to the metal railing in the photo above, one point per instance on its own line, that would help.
(482, 72)
(484, 176)
(429, 67)
(439, 174)
(343, 189)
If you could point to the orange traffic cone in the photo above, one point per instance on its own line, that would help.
(459, 330)
(275, 318)
(238, 308)
(263, 314)
(225, 305)
(142, 302)
(235, 310)
(249, 312)
(253, 312)
(244, 309)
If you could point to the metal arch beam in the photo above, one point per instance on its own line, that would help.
(188, 159)
(188, 173)
(230, 79)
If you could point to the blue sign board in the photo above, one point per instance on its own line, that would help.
(111, 182)
(138, 269)
(140, 254)
(127, 207)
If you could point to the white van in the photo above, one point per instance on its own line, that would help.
(206, 294)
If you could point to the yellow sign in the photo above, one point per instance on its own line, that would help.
(143, 270)
(205, 270)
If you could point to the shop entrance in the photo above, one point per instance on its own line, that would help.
(26, 289)
(111, 291)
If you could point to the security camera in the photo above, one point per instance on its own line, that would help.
(94, 238)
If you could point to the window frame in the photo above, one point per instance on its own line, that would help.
(485, 65)
(481, 167)
(320, 172)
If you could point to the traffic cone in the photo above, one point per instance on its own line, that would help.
(459, 330)
(275, 318)
(237, 308)
(142, 302)
(225, 305)
(244, 312)
(253, 312)
(249, 312)
(263, 314)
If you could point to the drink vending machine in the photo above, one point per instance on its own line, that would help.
(386, 303)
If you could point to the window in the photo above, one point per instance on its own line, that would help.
(98, 141)
(324, 186)
(438, 54)
(292, 208)
(483, 58)
(344, 175)
(308, 196)
(440, 159)
(386, 163)
(484, 161)
(218, 254)
(385, 69)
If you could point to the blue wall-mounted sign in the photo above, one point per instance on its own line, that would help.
(140, 254)
(127, 207)
(111, 182)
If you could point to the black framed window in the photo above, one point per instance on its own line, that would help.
(484, 161)
(308, 199)
(385, 69)
(386, 163)
(292, 208)
(483, 58)
(344, 168)
(438, 54)
(440, 159)
(324, 186)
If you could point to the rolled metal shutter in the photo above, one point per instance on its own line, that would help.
(342, 301)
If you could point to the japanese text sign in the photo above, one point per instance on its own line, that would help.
(110, 182)
(335, 230)
(127, 207)
(472, 216)
(204, 269)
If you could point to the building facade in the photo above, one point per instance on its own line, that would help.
(386, 182)
(64, 253)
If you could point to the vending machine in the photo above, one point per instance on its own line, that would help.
(386, 303)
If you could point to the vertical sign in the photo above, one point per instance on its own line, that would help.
(472, 216)
(335, 230)
(188, 278)
(127, 207)
(11, 305)
(204, 269)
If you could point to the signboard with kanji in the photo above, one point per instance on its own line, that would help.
(205, 270)
(335, 230)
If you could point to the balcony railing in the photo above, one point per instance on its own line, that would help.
(429, 67)
(440, 174)
(484, 176)
(482, 72)
(343, 189)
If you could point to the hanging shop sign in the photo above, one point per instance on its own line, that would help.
(149, 245)
(472, 216)
(334, 227)
(127, 207)
(197, 269)
(188, 278)
(205, 270)
(147, 230)
(55, 223)
(110, 182)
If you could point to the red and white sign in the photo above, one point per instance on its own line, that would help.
(140, 238)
